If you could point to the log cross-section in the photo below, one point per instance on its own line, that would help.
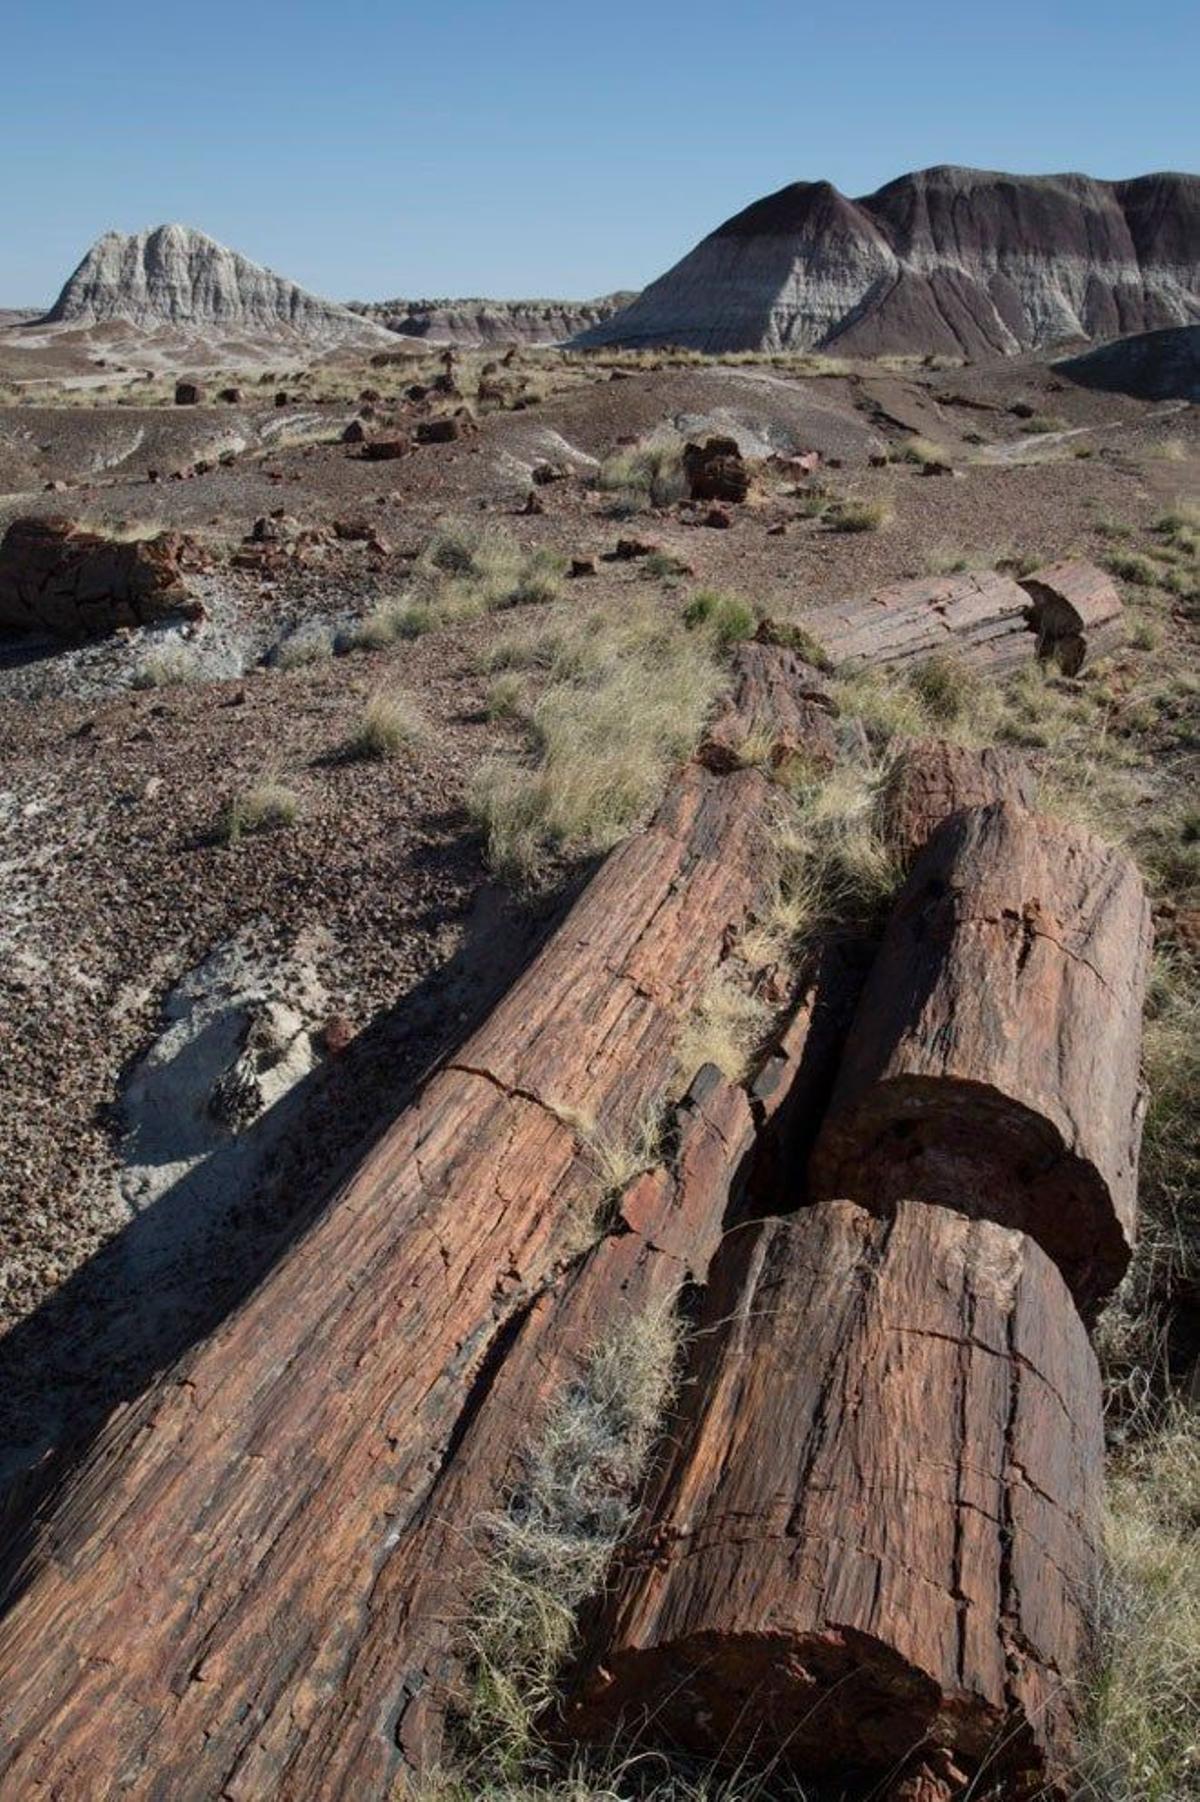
(873, 1533)
(198, 1591)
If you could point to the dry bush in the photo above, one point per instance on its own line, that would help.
(725, 1028)
(263, 808)
(391, 722)
(859, 515)
(624, 703)
(1132, 566)
(166, 668)
(647, 476)
(924, 453)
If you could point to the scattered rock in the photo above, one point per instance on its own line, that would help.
(716, 470)
(582, 566)
(437, 431)
(355, 432)
(55, 577)
(187, 394)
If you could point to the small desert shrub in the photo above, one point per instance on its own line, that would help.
(547, 1551)
(924, 453)
(391, 722)
(664, 566)
(1180, 521)
(945, 687)
(725, 1028)
(1141, 1731)
(263, 808)
(166, 668)
(304, 647)
(726, 616)
(505, 697)
(859, 515)
(1037, 423)
(538, 580)
(623, 703)
(1169, 450)
(392, 620)
(1132, 566)
(651, 475)
(814, 503)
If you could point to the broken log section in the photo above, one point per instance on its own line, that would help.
(1065, 612)
(873, 1534)
(777, 708)
(205, 1585)
(993, 1063)
(934, 778)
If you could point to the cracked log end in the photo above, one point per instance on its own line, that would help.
(993, 1064)
(876, 1526)
(934, 778)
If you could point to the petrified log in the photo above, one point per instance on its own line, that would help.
(934, 778)
(1076, 613)
(669, 1225)
(993, 1064)
(991, 621)
(777, 708)
(874, 1531)
(56, 577)
(203, 1585)
(982, 617)
(716, 470)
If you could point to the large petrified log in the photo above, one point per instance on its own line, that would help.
(1076, 613)
(1065, 612)
(777, 708)
(993, 1064)
(874, 1532)
(204, 1584)
(56, 577)
(933, 778)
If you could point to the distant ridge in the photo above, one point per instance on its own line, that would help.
(962, 261)
(173, 275)
(483, 322)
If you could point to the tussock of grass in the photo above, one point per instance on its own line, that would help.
(945, 688)
(725, 1028)
(648, 476)
(1037, 423)
(726, 616)
(924, 453)
(1141, 1733)
(859, 515)
(624, 703)
(549, 1548)
(266, 807)
(391, 722)
(1132, 566)
(304, 647)
(166, 668)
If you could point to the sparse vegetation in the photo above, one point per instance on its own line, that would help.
(859, 515)
(391, 722)
(924, 453)
(945, 687)
(726, 616)
(166, 668)
(1132, 566)
(266, 807)
(649, 476)
(1038, 423)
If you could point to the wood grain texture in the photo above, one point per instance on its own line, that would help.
(874, 1530)
(201, 1612)
(1076, 613)
(933, 778)
(993, 1063)
(777, 705)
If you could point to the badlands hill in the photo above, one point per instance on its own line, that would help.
(174, 276)
(485, 322)
(953, 260)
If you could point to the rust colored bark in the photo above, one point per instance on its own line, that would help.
(993, 1064)
(203, 1609)
(874, 1531)
(777, 706)
(1076, 613)
(933, 778)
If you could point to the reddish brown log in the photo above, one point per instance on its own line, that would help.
(993, 1064)
(981, 617)
(933, 779)
(212, 1577)
(670, 1224)
(778, 708)
(1076, 613)
(874, 1532)
(56, 577)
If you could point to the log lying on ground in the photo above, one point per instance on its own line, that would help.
(934, 778)
(200, 1588)
(874, 1531)
(778, 708)
(1066, 612)
(1076, 613)
(993, 1064)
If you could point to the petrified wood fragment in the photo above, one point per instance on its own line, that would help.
(56, 577)
(778, 708)
(874, 1530)
(933, 778)
(201, 1609)
(993, 1063)
(981, 617)
(1076, 613)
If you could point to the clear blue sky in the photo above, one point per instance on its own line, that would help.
(370, 148)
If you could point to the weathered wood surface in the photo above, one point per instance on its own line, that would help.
(934, 778)
(981, 617)
(1068, 611)
(993, 1063)
(670, 1224)
(874, 1531)
(1076, 613)
(778, 707)
(204, 1585)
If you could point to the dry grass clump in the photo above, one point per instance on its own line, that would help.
(266, 807)
(945, 687)
(549, 1548)
(1169, 450)
(309, 644)
(624, 702)
(650, 475)
(858, 515)
(167, 668)
(924, 453)
(726, 616)
(725, 1028)
(1037, 423)
(1132, 566)
(391, 722)
(1141, 1731)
